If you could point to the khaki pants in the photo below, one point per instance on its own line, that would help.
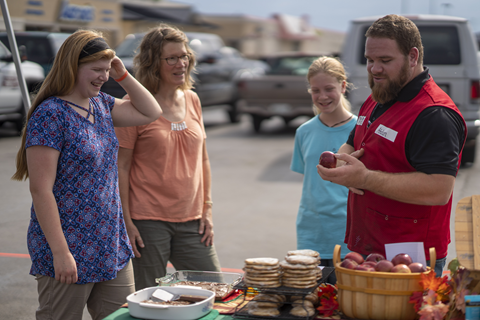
(60, 301)
(177, 242)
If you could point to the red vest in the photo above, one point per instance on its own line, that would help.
(373, 220)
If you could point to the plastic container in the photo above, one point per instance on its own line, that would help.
(139, 309)
(376, 295)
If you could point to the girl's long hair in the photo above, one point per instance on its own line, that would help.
(147, 62)
(334, 68)
(60, 81)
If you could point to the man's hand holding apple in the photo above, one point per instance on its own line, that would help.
(352, 174)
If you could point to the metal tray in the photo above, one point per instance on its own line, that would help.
(229, 278)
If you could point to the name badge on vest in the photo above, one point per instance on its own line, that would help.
(360, 120)
(386, 132)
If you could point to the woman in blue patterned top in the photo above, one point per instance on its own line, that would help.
(77, 239)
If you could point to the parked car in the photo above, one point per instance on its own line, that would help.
(11, 102)
(450, 52)
(218, 69)
(282, 91)
(42, 47)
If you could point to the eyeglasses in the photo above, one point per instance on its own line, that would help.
(171, 61)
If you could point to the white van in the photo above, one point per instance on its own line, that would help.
(450, 52)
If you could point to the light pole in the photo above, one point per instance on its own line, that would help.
(15, 55)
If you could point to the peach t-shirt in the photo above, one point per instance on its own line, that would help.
(166, 174)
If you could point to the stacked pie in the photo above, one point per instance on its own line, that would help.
(304, 306)
(265, 304)
(300, 269)
(262, 272)
(305, 252)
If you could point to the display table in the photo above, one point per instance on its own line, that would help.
(122, 314)
(222, 310)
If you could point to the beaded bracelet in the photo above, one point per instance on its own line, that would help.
(122, 77)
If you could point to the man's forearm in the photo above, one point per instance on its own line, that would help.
(412, 187)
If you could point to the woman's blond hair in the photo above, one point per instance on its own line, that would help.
(60, 81)
(147, 62)
(334, 68)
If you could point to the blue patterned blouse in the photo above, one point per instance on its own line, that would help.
(86, 189)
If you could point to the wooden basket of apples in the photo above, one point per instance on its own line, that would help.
(375, 288)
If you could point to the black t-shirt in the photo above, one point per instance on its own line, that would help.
(436, 137)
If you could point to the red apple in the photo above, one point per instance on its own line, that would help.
(349, 264)
(365, 267)
(401, 268)
(369, 263)
(328, 160)
(357, 257)
(375, 257)
(384, 266)
(402, 258)
(417, 267)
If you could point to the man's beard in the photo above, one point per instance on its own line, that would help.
(385, 93)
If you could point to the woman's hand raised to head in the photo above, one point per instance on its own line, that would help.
(118, 68)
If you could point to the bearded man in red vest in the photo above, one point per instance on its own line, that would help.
(401, 160)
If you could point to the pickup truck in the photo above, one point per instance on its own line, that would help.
(282, 91)
(11, 102)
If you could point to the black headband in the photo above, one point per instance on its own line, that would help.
(93, 46)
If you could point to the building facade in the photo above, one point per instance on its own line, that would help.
(253, 36)
(66, 16)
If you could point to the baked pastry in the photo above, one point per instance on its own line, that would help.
(265, 304)
(302, 312)
(305, 260)
(304, 252)
(263, 283)
(262, 261)
(279, 298)
(262, 311)
(300, 285)
(296, 266)
(264, 275)
(262, 272)
(312, 297)
(302, 303)
(299, 278)
(261, 269)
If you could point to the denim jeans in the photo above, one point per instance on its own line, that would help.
(439, 265)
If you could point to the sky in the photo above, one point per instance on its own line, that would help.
(335, 15)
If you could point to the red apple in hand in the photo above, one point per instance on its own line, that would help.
(357, 257)
(384, 266)
(328, 160)
(417, 267)
(349, 264)
(375, 257)
(401, 268)
(402, 258)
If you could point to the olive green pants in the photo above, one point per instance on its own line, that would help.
(60, 301)
(177, 242)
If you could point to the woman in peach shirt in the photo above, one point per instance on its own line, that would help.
(164, 171)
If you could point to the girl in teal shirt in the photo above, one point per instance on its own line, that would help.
(321, 219)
